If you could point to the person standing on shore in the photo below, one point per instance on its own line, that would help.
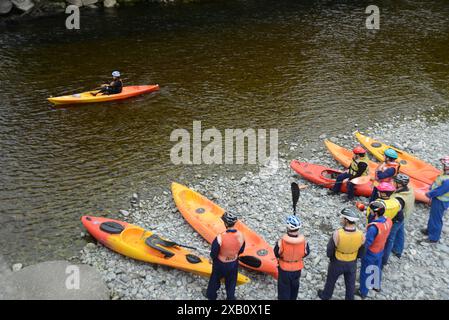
(378, 229)
(343, 249)
(290, 251)
(225, 251)
(359, 167)
(386, 171)
(439, 195)
(406, 198)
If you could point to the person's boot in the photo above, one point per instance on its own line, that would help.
(425, 232)
(359, 293)
(320, 295)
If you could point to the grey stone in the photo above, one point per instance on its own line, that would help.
(124, 213)
(78, 3)
(5, 6)
(24, 5)
(17, 267)
(54, 280)
(89, 2)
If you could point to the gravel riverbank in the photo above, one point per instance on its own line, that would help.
(263, 203)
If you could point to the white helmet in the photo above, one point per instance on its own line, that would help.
(293, 223)
(116, 74)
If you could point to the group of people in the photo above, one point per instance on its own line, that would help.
(390, 205)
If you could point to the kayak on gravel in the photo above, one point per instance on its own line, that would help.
(344, 157)
(140, 244)
(410, 165)
(88, 97)
(326, 177)
(205, 217)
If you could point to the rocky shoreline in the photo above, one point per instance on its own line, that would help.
(263, 203)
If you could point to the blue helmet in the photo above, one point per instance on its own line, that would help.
(116, 74)
(390, 153)
(293, 223)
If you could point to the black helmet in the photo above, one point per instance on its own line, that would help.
(229, 219)
(377, 207)
(350, 214)
(402, 179)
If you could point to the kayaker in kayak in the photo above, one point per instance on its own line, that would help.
(114, 87)
(406, 197)
(225, 251)
(439, 195)
(344, 247)
(378, 229)
(359, 167)
(290, 250)
(386, 171)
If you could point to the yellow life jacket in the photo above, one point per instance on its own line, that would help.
(354, 167)
(392, 207)
(438, 182)
(349, 244)
(409, 200)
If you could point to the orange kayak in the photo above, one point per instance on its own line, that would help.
(410, 165)
(205, 217)
(140, 244)
(344, 157)
(87, 97)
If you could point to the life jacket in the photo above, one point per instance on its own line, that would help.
(230, 244)
(388, 165)
(409, 199)
(349, 244)
(383, 231)
(392, 207)
(291, 252)
(438, 182)
(354, 167)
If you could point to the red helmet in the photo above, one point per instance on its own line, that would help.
(359, 150)
(445, 161)
(386, 187)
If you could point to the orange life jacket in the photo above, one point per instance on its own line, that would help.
(393, 165)
(383, 230)
(291, 252)
(230, 244)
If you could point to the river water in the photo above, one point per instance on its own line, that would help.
(303, 67)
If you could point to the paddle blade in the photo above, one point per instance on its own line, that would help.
(361, 180)
(295, 195)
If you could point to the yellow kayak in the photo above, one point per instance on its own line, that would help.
(410, 165)
(87, 97)
(140, 244)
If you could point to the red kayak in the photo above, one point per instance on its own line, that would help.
(326, 177)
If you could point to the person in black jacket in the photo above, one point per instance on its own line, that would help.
(114, 87)
(344, 247)
(359, 167)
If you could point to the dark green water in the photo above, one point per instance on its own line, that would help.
(304, 67)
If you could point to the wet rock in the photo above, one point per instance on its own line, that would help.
(89, 2)
(78, 3)
(124, 213)
(5, 6)
(17, 267)
(24, 5)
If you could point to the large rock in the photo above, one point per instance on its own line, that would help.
(5, 6)
(54, 280)
(24, 5)
(109, 3)
(89, 2)
(78, 3)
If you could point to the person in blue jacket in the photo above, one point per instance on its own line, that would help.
(386, 171)
(378, 230)
(225, 251)
(439, 195)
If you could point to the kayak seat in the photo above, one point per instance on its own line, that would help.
(112, 227)
(193, 258)
(251, 261)
(155, 242)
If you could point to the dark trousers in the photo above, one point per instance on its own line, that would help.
(349, 185)
(435, 223)
(288, 284)
(335, 270)
(228, 271)
(374, 195)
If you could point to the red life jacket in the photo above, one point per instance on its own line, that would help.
(393, 165)
(291, 251)
(230, 244)
(383, 230)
